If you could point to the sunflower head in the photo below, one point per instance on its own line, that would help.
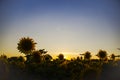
(26, 45)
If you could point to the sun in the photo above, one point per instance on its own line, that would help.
(67, 55)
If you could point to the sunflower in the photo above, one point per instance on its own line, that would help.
(26, 45)
(61, 56)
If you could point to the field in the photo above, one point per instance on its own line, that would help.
(17, 68)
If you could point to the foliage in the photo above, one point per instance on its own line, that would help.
(57, 69)
(36, 57)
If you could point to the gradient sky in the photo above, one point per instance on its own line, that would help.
(70, 27)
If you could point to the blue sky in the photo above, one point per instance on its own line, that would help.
(61, 26)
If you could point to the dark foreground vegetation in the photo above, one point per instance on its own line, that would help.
(16, 68)
(38, 65)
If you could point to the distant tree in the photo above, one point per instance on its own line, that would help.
(87, 55)
(61, 57)
(26, 45)
(102, 54)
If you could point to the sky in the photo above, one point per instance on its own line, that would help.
(70, 27)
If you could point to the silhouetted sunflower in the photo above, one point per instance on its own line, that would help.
(102, 54)
(26, 45)
(112, 56)
(61, 56)
(87, 55)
